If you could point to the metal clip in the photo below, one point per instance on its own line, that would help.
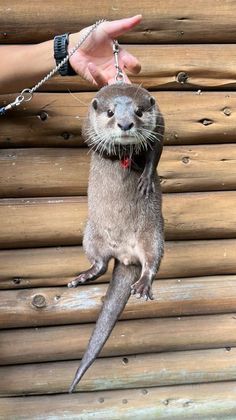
(6, 108)
(19, 99)
(119, 74)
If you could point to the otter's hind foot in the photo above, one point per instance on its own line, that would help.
(97, 270)
(142, 288)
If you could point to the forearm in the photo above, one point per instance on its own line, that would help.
(24, 65)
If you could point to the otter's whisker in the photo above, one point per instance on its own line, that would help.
(130, 151)
(144, 141)
(139, 86)
(96, 143)
(152, 135)
(149, 136)
(77, 99)
(142, 137)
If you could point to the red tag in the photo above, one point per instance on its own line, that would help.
(125, 163)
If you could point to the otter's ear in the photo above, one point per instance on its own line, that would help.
(95, 104)
(152, 101)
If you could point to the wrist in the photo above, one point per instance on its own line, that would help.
(73, 41)
(61, 51)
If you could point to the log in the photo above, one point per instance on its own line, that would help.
(178, 67)
(60, 221)
(38, 267)
(42, 221)
(56, 119)
(171, 67)
(129, 337)
(60, 305)
(209, 215)
(140, 371)
(212, 22)
(198, 168)
(42, 172)
(209, 400)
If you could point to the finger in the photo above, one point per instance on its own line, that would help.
(130, 62)
(98, 78)
(119, 27)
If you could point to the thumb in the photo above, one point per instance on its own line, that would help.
(118, 27)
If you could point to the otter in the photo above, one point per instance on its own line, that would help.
(124, 131)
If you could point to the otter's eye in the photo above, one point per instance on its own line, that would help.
(110, 113)
(139, 112)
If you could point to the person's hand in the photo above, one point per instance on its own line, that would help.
(94, 60)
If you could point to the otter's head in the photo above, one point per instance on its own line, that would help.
(122, 117)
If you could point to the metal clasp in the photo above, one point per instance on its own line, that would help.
(119, 74)
(22, 97)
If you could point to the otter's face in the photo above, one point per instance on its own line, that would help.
(120, 117)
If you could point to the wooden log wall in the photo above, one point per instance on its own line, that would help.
(174, 357)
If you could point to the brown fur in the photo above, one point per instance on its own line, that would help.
(125, 220)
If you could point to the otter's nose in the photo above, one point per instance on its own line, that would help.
(126, 126)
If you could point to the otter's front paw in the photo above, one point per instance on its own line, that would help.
(142, 288)
(145, 185)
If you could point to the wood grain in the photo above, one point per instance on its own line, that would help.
(34, 221)
(199, 22)
(178, 67)
(60, 305)
(37, 267)
(186, 337)
(152, 335)
(209, 400)
(60, 221)
(139, 371)
(42, 172)
(55, 119)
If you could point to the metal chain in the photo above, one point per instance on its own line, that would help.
(27, 94)
(45, 79)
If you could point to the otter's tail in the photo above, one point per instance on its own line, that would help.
(116, 298)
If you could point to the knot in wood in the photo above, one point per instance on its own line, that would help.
(144, 391)
(206, 121)
(39, 301)
(43, 116)
(66, 135)
(182, 77)
(185, 160)
(17, 280)
(227, 111)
